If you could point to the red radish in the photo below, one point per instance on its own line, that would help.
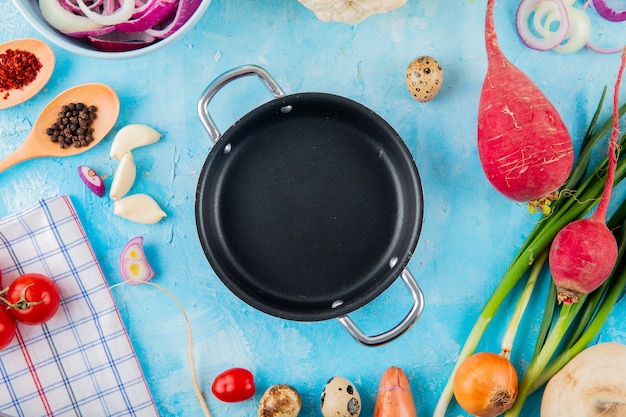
(584, 252)
(524, 147)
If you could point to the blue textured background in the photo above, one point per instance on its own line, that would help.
(470, 232)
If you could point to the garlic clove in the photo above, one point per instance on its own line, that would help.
(124, 177)
(140, 208)
(132, 136)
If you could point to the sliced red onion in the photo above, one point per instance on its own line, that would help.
(96, 32)
(578, 33)
(122, 14)
(92, 180)
(118, 25)
(140, 7)
(134, 265)
(185, 10)
(63, 20)
(608, 13)
(72, 6)
(524, 11)
(601, 50)
(157, 13)
(119, 41)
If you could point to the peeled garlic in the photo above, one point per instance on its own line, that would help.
(124, 177)
(132, 136)
(140, 208)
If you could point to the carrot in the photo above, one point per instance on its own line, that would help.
(524, 146)
(394, 395)
(583, 254)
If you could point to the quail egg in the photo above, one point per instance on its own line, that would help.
(340, 398)
(280, 400)
(424, 77)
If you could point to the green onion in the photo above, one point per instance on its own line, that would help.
(579, 195)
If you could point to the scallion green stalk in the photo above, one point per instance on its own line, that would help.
(580, 196)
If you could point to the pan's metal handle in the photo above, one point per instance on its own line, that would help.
(221, 81)
(401, 328)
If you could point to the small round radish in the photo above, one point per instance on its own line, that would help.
(583, 253)
(582, 256)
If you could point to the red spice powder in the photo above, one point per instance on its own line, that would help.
(18, 68)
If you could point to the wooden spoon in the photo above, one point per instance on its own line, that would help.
(38, 143)
(45, 55)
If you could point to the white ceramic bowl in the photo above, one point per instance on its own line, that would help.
(30, 10)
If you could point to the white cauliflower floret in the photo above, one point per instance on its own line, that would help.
(349, 11)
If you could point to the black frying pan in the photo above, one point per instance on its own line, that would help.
(309, 206)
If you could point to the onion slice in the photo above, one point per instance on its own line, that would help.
(134, 265)
(96, 32)
(550, 39)
(122, 14)
(64, 20)
(608, 13)
(156, 13)
(120, 42)
(185, 10)
(578, 33)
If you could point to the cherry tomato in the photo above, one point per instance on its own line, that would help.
(33, 298)
(234, 385)
(7, 327)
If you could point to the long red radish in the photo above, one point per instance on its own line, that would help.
(584, 252)
(524, 146)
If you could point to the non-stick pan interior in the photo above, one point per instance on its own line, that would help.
(309, 206)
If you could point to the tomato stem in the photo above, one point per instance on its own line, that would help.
(22, 303)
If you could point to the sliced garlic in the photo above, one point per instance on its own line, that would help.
(140, 208)
(132, 136)
(124, 177)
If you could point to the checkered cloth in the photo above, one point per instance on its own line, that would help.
(81, 362)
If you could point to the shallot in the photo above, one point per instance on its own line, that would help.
(134, 265)
(91, 179)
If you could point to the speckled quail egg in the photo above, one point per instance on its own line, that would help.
(424, 77)
(280, 400)
(340, 398)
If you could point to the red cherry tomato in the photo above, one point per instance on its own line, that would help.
(234, 385)
(33, 298)
(7, 327)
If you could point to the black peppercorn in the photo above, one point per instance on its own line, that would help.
(73, 125)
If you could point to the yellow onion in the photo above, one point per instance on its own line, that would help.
(485, 384)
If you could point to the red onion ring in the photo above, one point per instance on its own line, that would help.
(608, 13)
(120, 41)
(185, 9)
(97, 32)
(529, 39)
(119, 25)
(158, 11)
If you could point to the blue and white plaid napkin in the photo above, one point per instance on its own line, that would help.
(81, 362)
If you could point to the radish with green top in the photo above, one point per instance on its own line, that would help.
(584, 252)
(524, 146)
